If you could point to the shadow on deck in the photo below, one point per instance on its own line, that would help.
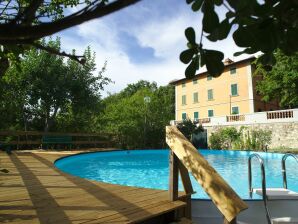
(34, 191)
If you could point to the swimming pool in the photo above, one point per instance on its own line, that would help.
(150, 169)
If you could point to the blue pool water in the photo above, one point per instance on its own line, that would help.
(150, 169)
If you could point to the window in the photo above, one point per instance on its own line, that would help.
(209, 77)
(183, 116)
(234, 90)
(183, 84)
(195, 97)
(196, 115)
(183, 99)
(233, 70)
(195, 81)
(210, 113)
(235, 110)
(210, 94)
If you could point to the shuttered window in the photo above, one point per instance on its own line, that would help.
(183, 99)
(210, 113)
(196, 115)
(210, 94)
(195, 97)
(234, 90)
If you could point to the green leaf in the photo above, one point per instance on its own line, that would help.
(190, 35)
(221, 32)
(238, 5)
(267, 59)
(186, 56)
(218, 2)
(214, 62)
(230, 14)
(210, 19)
(189, 1)
(191, 68)
(197, 5)
(245, 51)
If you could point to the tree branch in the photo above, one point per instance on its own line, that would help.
(29, 13)
(19, 32)
(79, 59)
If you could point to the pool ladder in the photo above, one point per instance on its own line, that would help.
(262, 166)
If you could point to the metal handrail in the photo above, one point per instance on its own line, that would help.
(283, 166)
(261, 161)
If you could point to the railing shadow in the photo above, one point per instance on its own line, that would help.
(111, 200)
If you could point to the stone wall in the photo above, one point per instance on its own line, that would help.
(284, 134)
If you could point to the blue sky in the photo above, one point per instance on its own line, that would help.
(142, 41)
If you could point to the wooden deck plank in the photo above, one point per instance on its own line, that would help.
(34, 191)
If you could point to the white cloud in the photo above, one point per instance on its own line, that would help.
(165, 35)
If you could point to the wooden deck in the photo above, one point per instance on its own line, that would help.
(34, 191)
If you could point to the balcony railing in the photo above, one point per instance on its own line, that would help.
(234, 118)
(280, 114)
(260, 117)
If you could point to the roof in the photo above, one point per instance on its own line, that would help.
(173, 82)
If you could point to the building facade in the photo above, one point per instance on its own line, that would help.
(233, 92)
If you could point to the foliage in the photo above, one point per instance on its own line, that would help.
(189, 128)
(281, 82)
(137, 123)
(223, 138)
(257, 26)
(242, 139)
(44, 87)
(24, 23)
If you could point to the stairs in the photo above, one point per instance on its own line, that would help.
(284, 220)
(277, 193)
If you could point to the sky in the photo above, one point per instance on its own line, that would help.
(142, 42)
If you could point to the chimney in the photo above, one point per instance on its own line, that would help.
(228, 61)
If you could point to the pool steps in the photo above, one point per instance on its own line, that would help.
(271, 194)
(204, 212)
(277, 193)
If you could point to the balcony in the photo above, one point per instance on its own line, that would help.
(278, 116)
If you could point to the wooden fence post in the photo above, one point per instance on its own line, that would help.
(173, 181)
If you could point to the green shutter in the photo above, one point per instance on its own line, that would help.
(183, 116)
(210, 94)
(196, 115)
(234, 89)
(210, 113)
(233, 70)
(183, 99)
(235, 110)
(195, 97)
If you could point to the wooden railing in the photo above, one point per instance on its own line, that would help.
(234, 118)
(280, 114)
(34, 138)
(186, 158)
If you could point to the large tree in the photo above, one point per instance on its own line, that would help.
(280, 83)
(48, 86)
(24, 22)
(256, 26)
(135, 119)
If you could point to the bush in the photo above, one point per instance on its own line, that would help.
(224, 138)
(230, 138)
(188, 128)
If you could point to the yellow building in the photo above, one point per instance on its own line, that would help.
(233, 92)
